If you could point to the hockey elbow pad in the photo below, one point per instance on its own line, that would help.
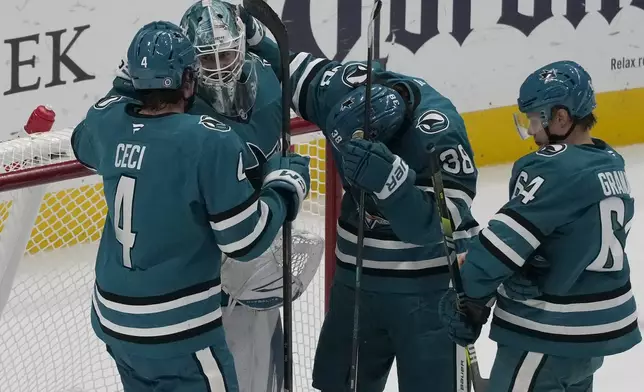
(290, 178)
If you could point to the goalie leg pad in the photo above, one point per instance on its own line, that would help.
(250, 335)
(257, 284)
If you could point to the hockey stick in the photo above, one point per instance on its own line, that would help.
(265, 15)
(355, 358)
(480, 383)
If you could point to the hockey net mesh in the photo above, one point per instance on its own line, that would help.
(46, 340)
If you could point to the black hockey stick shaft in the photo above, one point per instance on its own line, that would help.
(355, 342)
(447, 227)
(265, 15)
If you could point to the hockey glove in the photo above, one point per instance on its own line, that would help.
(463, 323)
(372, 167)
(254, 30)
(290, 177)
(520, 288)
(524, 285)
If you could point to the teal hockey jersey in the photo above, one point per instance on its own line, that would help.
(565, 226)
(260, 130)
(403, 248)
(177, 197)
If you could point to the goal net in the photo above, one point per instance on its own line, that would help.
(52, 212)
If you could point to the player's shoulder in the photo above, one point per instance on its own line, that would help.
(570, 164)
(434, 113)
(263, 67)
(113, 100)
(570, 157)
(210, 133)
(110, 109)
(204, 127)
(552, 158)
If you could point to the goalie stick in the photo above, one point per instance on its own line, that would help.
(265, 15)
(447, 226)
(355, 344)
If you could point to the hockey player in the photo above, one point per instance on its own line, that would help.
(564, 229)
(405, 269)
(177, 198)
(240, 89)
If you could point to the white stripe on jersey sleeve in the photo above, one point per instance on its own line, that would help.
(257, 231)
(451, 195)
(502, 247)
(233, 220)
(258, 36)
(296, 62)
(518, 228)
(301, 80)
(464, 234)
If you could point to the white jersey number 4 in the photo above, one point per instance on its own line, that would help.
(123, 203)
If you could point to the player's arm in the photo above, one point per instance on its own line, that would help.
(459, 181)
(413, 217)
(83, 147)
(516, 231)
(261, 45)
(245, 220)
(317, 83)
(410, 208)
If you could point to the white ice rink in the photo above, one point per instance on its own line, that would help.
(34, 349)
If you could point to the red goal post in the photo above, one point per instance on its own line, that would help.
(53, 216)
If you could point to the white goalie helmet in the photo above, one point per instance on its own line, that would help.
(227, 74)
(258, 284)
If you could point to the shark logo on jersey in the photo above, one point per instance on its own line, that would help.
(432, 121)
(374, 220)
(107, 101)
(551, 150)
(213, 124)
(354, 74)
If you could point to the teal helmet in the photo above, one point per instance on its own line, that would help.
(388, 113)
(562, 84)
(158, 57)
(227, 74)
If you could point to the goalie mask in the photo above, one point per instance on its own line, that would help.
(227, 75)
